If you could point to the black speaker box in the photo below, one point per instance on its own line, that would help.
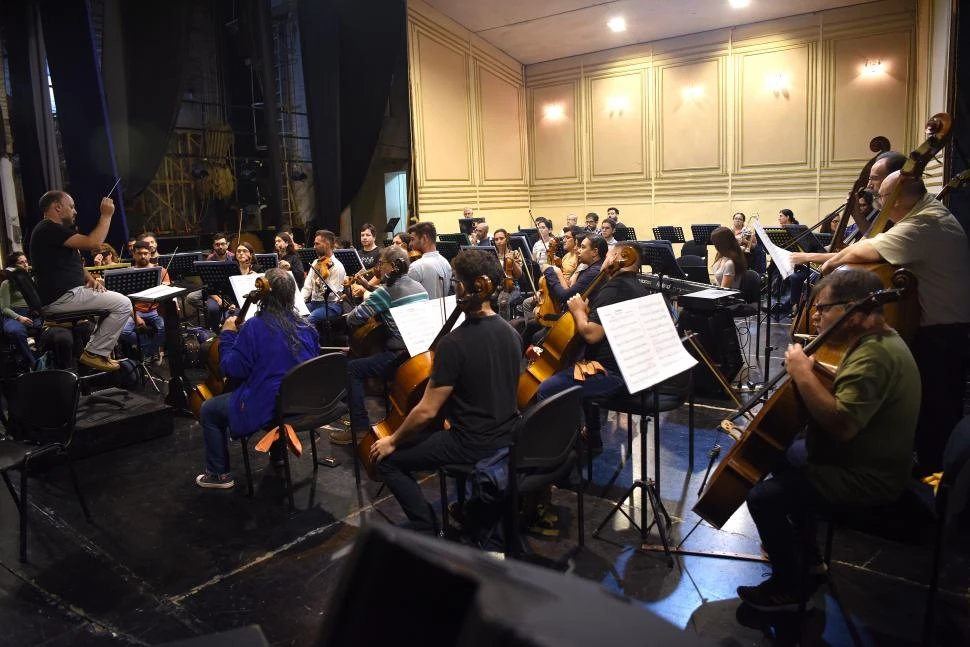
(401, 588)
(719, 337)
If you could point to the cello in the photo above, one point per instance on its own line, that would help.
(774, 427)
(562, 343)
(215, 383)
(410, 381)
(548, 305)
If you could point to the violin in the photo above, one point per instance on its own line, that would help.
(322, 267)
(413, 255)
(215, 383)
(509, 267)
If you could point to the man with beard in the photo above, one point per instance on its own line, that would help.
(63, 283)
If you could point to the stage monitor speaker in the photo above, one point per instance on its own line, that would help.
(719, 337)
(401, 588)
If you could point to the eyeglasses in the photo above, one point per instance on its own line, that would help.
(822, 307)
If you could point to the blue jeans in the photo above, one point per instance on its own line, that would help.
(601, 385)
(323, 310)
(150, 343)
(784, 509)
(215, 432)
(18, 334)
(358, 370)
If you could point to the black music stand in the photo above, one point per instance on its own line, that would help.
(804, 239)
(465, 225)
(308, 255)
(386, 243)
(531, 234)
(177, 393)
(481, 248)
(824, 239)
(624, 233)
(669, 233)
(659, 255)
(458, 239)
(392, 225)
(180, 266)
(780, 236)
(128, 282)
(350, 259)
(266, 261)
(521, 243)
(702, 233)
(215, 276)
(447, 249)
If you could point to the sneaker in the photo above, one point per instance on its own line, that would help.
(771, 596)
(213, 481)
(98, 362)
(340, 437)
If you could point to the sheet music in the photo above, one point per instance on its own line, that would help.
(243, 284)
(157, 292)
(644, 341)
(421, 322)
(780, 257)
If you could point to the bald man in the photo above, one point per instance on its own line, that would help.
(931, 243)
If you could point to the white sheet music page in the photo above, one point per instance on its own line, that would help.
(780, 257)
(243, 284)
(644, 341)
(421, 322)
(157, 292)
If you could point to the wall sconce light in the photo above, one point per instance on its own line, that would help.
(692, 92)
(554, 111)
(873, 68)
(618, 104)
(777, 84)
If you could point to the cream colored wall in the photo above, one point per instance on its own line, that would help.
(469, 125)
(752, 119)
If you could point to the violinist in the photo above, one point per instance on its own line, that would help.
(323, 286)
(289, 260)
(930, 242)
(597, 372)
(259, 354)
(475, 374)
(508, 295)
(396, 289)
(430, 269)
(402, 240)
(544, 225)
(858, 447)
(501, 240)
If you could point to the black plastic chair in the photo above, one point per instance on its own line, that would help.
(26, 287)
(693, 248)
(43, 409)
(695, 267)
(311, 395)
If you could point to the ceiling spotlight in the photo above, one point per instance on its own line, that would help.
(617, 24)
(739, 4)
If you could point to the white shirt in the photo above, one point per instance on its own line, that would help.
(539, 252)
(313, 289)
(433, 272)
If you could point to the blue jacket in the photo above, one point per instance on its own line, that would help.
(259, 356)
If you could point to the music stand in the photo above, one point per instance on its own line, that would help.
(308, 255)
(266, 261)
(215, 275)
(624, 233)
(670, 233)
(659, 255)
(180, 266)
(350, 259)
(702, 233)
(780, 236)
(447, 249)
(391, 225)
(805, 239)
(132, 280)
(521, 243)
(465, 225)
(531, 234)
(458, 239)
(387, 242)
(824, 239)
(482, 248)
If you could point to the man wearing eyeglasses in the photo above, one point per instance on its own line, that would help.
(929, 241)
(858, 447)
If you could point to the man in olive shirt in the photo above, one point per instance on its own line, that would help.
(63, 283)
(858, 449)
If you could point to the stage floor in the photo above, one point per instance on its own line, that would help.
(163, 560)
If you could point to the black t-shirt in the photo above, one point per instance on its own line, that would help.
(296, 269)
(622, 287)
(369, 259)
(480, 360)
(58, 269)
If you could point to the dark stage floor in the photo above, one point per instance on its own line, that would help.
(163, 560)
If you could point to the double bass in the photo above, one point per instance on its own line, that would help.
(548, 304)
(774, 427)
(562, 343)
(215, 383)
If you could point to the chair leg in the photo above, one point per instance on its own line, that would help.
(934, 583)
(23, 514)
(690, 431)
(77, 486)
(580, 511)
(13, 490)
(443, 487)
(313, 448)
(829, 538)
(286, 471)
(353, 444)
(244, 441)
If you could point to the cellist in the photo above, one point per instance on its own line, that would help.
(930, 242)
(857, 451)
(396, 289)
(474, 374)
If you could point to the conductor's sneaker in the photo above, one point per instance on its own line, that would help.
(340, 437)
(215, 481)
(99, 362)
(773, 596)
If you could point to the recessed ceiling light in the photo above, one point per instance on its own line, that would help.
(617, 24)
(739, 4)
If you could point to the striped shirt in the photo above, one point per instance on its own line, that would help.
(405, 290)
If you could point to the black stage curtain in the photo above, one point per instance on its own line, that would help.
(16, 27)
(82, 113)
(155, 43)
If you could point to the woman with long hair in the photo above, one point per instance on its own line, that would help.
(288, 258)
(106, 256)
(729, 262)
(17, 326)
(259, 354)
